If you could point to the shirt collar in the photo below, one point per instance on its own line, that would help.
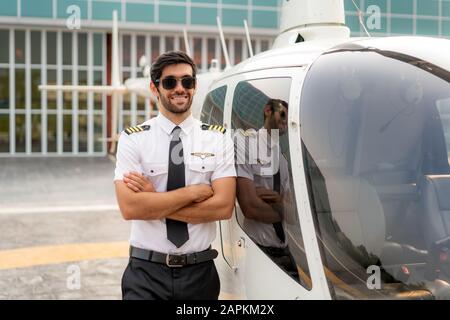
(168, 125)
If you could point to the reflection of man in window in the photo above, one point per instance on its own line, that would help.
(263, 184)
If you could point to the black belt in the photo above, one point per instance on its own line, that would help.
(173, 260)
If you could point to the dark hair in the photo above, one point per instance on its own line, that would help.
(170, 58)
(275, 103)
(272, 103)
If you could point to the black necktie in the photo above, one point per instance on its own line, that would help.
(177, 231)
(278, 226)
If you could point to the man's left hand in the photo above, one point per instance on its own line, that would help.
(138, 182)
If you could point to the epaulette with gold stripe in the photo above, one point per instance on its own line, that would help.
(213, 127)
(135, 129)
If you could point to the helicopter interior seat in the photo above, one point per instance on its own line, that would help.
(435, 196)
(387, 157)
(434, 184)
(359, 223)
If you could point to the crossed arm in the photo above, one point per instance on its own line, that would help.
(257, 203)
(192, 204)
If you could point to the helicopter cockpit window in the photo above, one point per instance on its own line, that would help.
(212, 110)
(267, 210)
(375, 130)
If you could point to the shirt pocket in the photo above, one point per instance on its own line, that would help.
(200, 172)
(262, 171)
(157, 174)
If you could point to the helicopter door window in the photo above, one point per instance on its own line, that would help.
(267, 209)
(212, 110)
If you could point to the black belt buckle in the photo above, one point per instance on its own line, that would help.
(175, 261)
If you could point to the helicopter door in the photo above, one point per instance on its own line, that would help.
(267, 242)
(213, 113)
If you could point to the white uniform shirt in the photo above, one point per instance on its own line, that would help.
(261, 172)
(208, 155)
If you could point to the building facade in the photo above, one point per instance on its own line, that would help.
(69, 42)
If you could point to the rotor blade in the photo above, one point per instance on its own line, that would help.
(249, 41)
(115, 76)
(224, 45)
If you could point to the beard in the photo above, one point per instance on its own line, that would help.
(276, 125)
(174, 108)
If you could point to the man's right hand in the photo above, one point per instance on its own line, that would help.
(268, 196)
(200, 192)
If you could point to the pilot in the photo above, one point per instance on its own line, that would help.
(263, 185)
(174, 178)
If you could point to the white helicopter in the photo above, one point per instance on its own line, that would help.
(364, 171)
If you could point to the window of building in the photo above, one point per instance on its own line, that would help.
(51, 48)
(126, 51)
(170, 43)
(67, 133)
(82, 96)
(4, 133)
(98, 46)
(36, 47)
(155, 47)
(67, 95)
(172, 14)
(62, 115)
(198, 52)
(20, 129)
(19, 40)
(402, 25)
(82, 49)
(67, 48)
(211, 43)
(234, 17)
(20, 88)
(140, 47)
(238, 50)
(402, 7)
(4, 88)
(4, 50)
(265, 19)
(35, 92)
(51, 95)
(36, 133)
(264, 45)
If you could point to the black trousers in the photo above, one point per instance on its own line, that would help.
(145, 280)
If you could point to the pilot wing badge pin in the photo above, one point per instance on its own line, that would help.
(202, 155)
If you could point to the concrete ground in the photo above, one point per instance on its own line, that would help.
(61, 233)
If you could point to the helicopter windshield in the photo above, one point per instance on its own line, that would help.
(375, 130)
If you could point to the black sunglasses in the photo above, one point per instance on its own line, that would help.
(170, 83)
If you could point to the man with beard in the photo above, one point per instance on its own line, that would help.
(174, 178)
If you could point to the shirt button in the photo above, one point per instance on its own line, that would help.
(203, 167)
